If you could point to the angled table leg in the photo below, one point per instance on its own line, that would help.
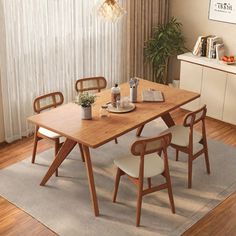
(60, 157)
(168, 119)
(91, 180)
(139, 130)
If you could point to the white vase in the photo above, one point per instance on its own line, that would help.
(86, 113)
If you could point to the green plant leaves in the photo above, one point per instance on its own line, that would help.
(85, 99)
(167, 41)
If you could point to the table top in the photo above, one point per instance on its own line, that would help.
(66, 120)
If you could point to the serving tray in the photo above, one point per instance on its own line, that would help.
(129, 108)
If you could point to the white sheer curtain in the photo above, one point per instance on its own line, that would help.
(46, 46)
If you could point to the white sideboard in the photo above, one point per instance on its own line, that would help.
(216, 82)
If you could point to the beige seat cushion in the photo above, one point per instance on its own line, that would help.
(180, 135)
(153, 165)
(48, 133)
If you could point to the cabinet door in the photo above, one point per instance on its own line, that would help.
(191, 80)
(229, 114)
(213, 92)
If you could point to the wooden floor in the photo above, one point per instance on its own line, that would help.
(220, 221)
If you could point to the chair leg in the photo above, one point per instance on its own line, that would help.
(177, 155)
(190, 169)
(206, 157)
(57, 147)
(170, 193)
(36, 139)
(117, 181)
(149, 182)
(139, 203)
(116, 141)
(81, 152)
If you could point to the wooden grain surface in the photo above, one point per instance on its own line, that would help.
(66, 120)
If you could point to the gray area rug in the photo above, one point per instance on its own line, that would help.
(64, 203)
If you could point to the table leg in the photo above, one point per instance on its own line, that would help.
(60, 157)
(168, 119)
(91, 179)
(139, 130)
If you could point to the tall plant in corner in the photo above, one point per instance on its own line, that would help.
(167, 41)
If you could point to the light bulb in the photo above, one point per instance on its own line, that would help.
(110, 10)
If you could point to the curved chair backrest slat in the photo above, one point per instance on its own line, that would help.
(47, 101)
(151, 145)
(194, 117)
(88, 84)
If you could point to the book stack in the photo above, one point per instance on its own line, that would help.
(207, 46)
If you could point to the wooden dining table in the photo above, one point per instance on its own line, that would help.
(66, 121)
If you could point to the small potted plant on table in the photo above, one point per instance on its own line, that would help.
(85, 100)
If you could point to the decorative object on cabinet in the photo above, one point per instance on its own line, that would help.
(206, 46)
(167, 41)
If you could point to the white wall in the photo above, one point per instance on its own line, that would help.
(193, 14)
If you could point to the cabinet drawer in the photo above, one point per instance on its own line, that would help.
(213, 92)
(191, 80)
(229, 114)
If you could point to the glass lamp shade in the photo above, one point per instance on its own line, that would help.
(110, 10)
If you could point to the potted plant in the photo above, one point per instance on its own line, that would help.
(167, 41)
(85, 100)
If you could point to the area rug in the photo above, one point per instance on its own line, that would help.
(64, 204)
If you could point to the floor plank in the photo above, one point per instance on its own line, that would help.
(13, 221)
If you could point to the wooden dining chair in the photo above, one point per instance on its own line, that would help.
(91, 84)
(187, 140)
(148, 165)
(42, 103)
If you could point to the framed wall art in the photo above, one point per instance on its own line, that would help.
(223, 10)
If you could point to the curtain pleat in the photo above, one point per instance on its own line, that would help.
(143, 15)
(47, 45)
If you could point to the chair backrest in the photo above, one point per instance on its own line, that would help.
(47, 101)
(151, 145)
(93, 83)
(194, 117)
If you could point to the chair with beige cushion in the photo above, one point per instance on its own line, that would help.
(146, 163)
(187, 140)
(42, 103)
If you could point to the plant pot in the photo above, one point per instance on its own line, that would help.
(176, 83)
(86, 113)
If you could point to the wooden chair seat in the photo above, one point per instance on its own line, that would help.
(48, 133)
(180, 135)
(153, 165)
